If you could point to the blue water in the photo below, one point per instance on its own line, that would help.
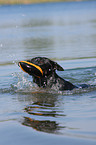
(66, 33)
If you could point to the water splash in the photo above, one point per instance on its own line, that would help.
(25, 86)
(22, 83)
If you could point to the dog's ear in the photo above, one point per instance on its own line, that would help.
(56, 66)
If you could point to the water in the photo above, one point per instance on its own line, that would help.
(66, 33)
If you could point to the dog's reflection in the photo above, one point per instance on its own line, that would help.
(45, 126)
(42, 114)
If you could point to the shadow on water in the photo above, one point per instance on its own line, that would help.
(42, 113)
(47, 113)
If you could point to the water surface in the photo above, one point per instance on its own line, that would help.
(66, 33)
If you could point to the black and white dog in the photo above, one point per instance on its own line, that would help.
(43, 71)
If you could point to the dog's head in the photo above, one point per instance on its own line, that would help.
(40, 67)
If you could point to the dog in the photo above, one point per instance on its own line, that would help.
(43, 71)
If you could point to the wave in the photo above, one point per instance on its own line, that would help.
(24, 86)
